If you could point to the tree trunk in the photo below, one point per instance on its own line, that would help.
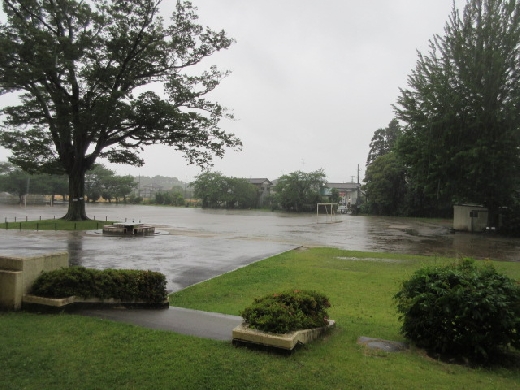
(77, 199)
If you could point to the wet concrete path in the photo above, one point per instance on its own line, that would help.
(196, 323)
(195, 244)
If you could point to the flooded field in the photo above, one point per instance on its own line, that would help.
(195, 244)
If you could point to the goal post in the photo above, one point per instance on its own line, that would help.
(326, 212)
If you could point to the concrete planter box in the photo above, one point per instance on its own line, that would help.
(286, 341)
(53, 302)
(33, 302)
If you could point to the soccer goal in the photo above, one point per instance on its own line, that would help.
(326, 212)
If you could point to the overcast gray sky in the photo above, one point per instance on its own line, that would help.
(311, 81)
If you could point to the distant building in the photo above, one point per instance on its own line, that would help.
(150, 190)
(263, 186)
(348, 192)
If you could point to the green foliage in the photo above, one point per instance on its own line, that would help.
(103, 182)
(385, 186)
(461, 310)
(383, 141)
(462, 130)
(216, 190)
(288, 311)
(300, 191)
(85, 70)
(110, 283)
(171, 198)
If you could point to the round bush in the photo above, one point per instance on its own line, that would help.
(288, 311)
(461, 310)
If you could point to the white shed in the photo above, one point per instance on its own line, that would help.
(470, 217)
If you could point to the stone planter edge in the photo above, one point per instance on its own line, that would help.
(285, 341)
(30, 301)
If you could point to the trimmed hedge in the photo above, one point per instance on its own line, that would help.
(124, 284)
(288, 311)
(461, 310)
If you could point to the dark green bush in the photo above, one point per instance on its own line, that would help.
(288, 311)
(461, 310)
(121, 284)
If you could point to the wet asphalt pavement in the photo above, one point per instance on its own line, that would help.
(194, 245)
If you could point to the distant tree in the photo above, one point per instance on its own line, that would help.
(209, 187)
(172, 198)
(385, 186)
(216, 190)
(54, 185)
(96, 182)
(122, 186)
(383, 141)
(240, 193)
(334, 197)
(14, 181)
(462, 132)
(85, 71)
(300, 191)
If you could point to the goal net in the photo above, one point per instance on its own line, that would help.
(326, 212)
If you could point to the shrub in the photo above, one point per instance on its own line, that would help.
(121, 284)
(288, 311)
(461, 310)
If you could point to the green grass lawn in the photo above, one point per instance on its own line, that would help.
(73, 352)
(54, 224)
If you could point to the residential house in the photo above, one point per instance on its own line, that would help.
(263, 185)
(349, 193)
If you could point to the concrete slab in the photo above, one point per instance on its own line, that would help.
(214, 326)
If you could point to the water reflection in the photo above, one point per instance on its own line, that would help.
(75, 248)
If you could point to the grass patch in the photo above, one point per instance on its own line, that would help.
(55, 224)
(67, 351)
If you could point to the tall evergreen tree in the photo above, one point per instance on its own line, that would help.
(383, 141)
(462, 109)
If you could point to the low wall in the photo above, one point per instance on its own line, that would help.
(17, 275)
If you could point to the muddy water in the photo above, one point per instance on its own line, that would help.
(195, 245)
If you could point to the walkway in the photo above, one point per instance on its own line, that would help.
(214, 326)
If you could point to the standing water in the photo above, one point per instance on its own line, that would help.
(194, 244)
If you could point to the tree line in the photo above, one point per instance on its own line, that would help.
(456, 135)
(296, 191)
(100, 182)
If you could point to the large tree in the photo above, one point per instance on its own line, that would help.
(462, 108)
(86, 72)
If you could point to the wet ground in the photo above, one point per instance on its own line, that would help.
(195, 244)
